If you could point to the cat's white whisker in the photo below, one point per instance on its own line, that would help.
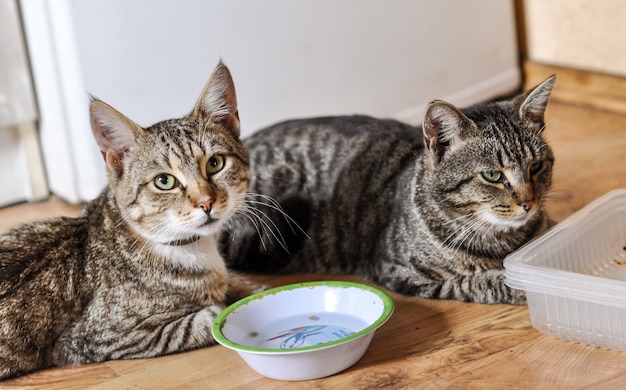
(259, 228)
(251, 209)
(466, 232)
(456, 237)
(270, 227)
(457, 219)
(274, 205)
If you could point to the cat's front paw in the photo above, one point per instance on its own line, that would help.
(261, 287)
(212, 311)
(255, 287)
(198, 334)
(207, 315)
(518, 297)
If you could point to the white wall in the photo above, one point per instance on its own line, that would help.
(12, 167)
(21, 175)
(151, 58)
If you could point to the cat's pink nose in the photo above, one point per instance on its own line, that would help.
(206, 205)
(526, 204)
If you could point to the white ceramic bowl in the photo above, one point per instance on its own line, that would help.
(306, 330)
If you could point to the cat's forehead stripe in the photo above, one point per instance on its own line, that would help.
(514, 147)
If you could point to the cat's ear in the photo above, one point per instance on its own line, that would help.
(534, 103)
(115, 134)
(218, 101)
(444, 128)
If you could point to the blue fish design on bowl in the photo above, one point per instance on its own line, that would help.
(306, 336)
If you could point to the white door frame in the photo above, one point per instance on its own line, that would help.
(72, 160)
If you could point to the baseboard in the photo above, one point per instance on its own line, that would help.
(580, 87)
(501, 84)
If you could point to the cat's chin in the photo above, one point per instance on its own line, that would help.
(505, 223)
(176, 233)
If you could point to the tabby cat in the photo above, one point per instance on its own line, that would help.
(429, 212)
(138, 274)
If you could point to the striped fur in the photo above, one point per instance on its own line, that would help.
(429, 212)
(138, 274)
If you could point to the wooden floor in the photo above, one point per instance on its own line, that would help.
(436, 344)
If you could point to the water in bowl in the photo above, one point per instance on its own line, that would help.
(305, 331)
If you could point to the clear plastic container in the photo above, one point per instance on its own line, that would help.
(575, 275)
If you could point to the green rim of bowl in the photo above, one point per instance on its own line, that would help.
(220, 320)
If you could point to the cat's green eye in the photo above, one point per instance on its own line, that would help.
(215, 164)
(536, 167)
(492, 176)
(165, 182)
